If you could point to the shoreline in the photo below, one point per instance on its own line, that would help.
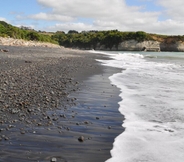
(67, 105)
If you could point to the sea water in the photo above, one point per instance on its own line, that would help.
(152, 92)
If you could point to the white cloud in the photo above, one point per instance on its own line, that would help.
(51, 17)
(70, 26)
(83, 8)
(174, 9)
(108, 14)
(3, 19)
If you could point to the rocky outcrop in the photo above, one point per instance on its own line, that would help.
(174, 46)
(155, 46)
(20, 42)
(133, 45)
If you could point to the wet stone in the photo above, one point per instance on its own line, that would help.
(81, 139)
(53, 160)
(22, 132)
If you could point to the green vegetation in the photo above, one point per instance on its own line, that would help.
(7, 30)
(85, 39)
(91, 39)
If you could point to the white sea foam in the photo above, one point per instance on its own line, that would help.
(152, 103)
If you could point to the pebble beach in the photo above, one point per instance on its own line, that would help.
(50, 105)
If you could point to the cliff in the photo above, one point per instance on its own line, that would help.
(155, 46)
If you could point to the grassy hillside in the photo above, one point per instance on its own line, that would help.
(7, 30)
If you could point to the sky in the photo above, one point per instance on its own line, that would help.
(152, 16)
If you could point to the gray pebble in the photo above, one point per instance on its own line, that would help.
(81, 139)
(53, 160)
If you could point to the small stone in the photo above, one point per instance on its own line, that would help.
(28, 62)
(55, 119)
(29, 110)
(39, 124)
(63, 116)
(53, 160)
(52, 92)
(10, 126)
(15, 111)
(22, 132)
(86, 122)
(4, 50)
(81, 139)
(1, 129)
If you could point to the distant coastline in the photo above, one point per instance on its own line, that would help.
(129, 45)
(111, 40)
(149, 46)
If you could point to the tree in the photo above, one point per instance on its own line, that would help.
(33, 36)
(73, 32)
(141, 36)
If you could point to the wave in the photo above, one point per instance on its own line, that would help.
(99, 52)
(150, 91)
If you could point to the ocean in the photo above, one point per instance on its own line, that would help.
(152, 90)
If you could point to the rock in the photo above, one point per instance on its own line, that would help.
(22, 132)
(29, 110)
(15, 111)
(86, 122)
(1, 129)
(10, 126)
(81, 139)
(63, 116)
(53, 159)
(28, 62)
(4, 50)
(109, 127)
(55, 119)
(39, 124)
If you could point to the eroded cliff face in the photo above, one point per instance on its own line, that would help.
(133, 45)
(156, 46)
(175, 46)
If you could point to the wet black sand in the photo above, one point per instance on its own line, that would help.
(70, 96)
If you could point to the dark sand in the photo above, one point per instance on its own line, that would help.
(70, 96)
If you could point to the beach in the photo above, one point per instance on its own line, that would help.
(56, 104)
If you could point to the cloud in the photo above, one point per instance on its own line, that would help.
(83, 8)
(173, 9)
(70, 26)
(116, 14)
(3, 19)
(51, 17)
